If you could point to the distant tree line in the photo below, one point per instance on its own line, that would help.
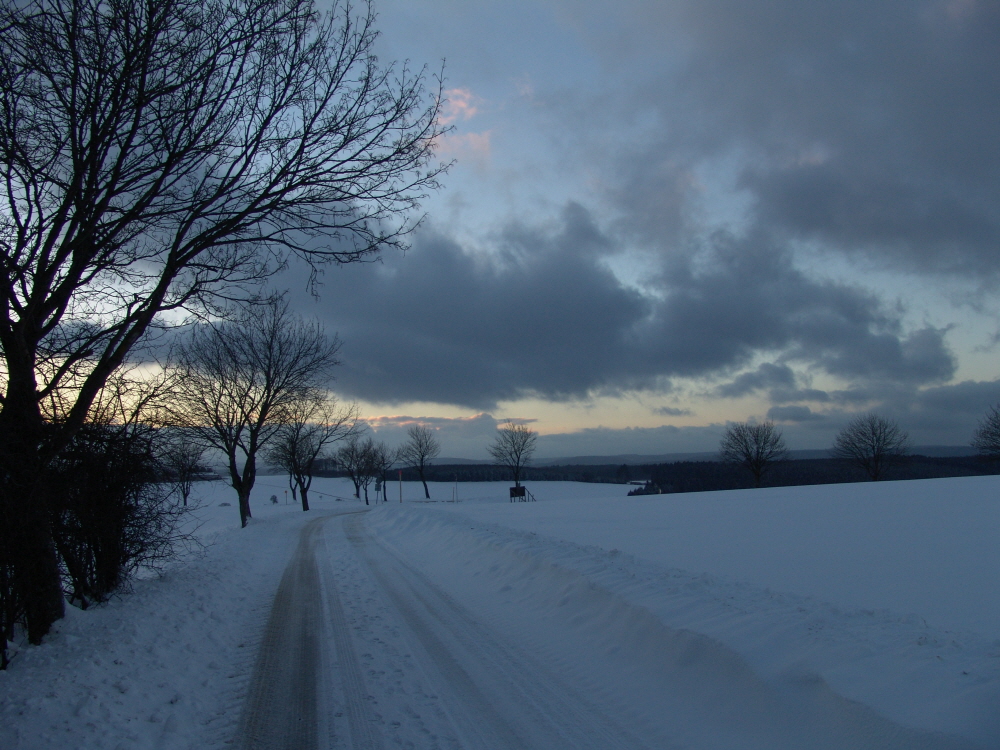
(702, 476)
(493, 473)
(696, 476)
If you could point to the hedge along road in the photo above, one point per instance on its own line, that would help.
(361, 651)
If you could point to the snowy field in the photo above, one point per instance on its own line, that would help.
(866, 615)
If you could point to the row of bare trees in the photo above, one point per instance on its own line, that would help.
(870, 441)
(253, 387)
(367, 461)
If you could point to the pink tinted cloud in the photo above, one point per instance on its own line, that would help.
(467, 147)
(460, 104)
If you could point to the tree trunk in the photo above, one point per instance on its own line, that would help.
(304, 494)
(427, 493)
(243, 484)
(27, 527)
(40, 584)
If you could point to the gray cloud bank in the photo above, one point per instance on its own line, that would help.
(543, 316)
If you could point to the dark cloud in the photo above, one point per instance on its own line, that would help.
(870, 127)
(749, 297)
(767, 376)
(786, 395)
(944, 414)
(671, 411)
(540, 314)
(793, 414)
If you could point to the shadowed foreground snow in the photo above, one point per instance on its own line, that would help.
(863, 614)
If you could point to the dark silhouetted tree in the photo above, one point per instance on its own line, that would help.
(753, 445)
(315, 423)
(350, 460)
(986, 439)
(240, 382)
(872, 442)
(181, 460)
(513, 448)
(376, 460)
(421, 446)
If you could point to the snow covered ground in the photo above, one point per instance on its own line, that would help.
(853, 616)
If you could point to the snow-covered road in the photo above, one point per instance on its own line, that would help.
(377, 640)
(363, 651)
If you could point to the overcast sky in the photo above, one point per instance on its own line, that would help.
(666, 215)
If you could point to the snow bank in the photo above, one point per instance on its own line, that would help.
(885, 592)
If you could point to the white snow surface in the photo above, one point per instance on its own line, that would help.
(876, 602)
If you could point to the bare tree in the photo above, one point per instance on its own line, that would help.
(164, 156)
(239, 382)
(872, 442)
(513, 447)
(377, 459)
(986, 439)
(418, 451)
(181, 458)
(350, 460)
(314, 424)
(753, 445)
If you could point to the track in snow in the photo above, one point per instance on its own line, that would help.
(497, 696)
(291, 698)
(363, 651)
(473, 690)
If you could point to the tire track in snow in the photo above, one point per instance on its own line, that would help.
(355, 693)
(289, 702)
(280, 710)
(501, 697)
